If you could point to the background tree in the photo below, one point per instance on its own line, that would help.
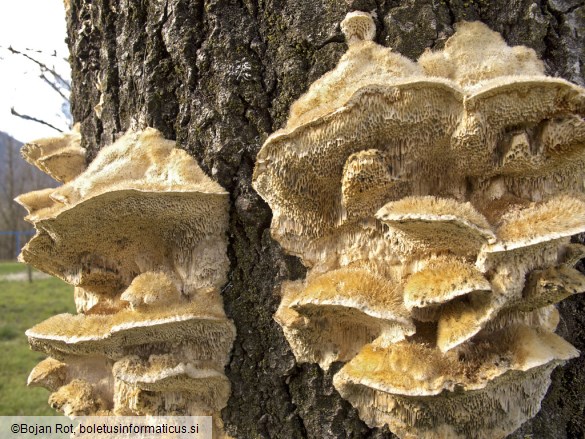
(16, 177)
(219, 76)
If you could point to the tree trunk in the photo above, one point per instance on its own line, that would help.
(219, 76)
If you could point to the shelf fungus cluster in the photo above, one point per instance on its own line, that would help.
(433, 203)
(141, 235)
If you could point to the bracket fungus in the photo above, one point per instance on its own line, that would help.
(433, 203)
(62, 157)
(331, 316)
(141, 234)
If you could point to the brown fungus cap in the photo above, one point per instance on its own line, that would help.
(559, 217)
(454, 294)
(475, 53)
(135, 231)
(493, 412)
(151, 289)
(546, 287)
(60, 157)
(116, 335)
(506, 88)
(166, 373)
(367, 184)
(391, 385)
(441, 224)
(546, 318)
(552, 146)
(156, 210)
(78, 398)
(54, 374)
(141, 160)
(372, 95)
(298, 172)
(49, 373)
(37, 203)
(442, 280)
(414, 369)
(464, 317)
(331, 316)
(502, 105)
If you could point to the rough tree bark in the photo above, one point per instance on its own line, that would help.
(219, 76)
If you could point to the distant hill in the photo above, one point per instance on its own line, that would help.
(28, 177)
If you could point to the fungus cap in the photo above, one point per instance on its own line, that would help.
(390, 385)
(476, 53)
(559, 217)
(464, 317)
(373, 94)
(367, 183)
(439, 223)
(553, 146)
(157, 211)
(166, 373)
(60, 157)
(505, 88)
(358, 26)
(454, 415)
(37, 203)
(441, 281)
(298, 170)
(546, 287)
(202, 324)
(78, 398)
(413, 369)
(333, 315)
(151, 288)
(49, 373)
(546, 318)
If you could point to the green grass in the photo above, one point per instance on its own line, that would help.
(11, 267)
(22, 305)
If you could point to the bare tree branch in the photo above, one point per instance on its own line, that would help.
(33, 119)
(54, 54)
(43, 67)
(53, 86)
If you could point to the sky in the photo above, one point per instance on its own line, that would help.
(38, 25)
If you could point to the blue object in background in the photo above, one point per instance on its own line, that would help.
(18, 239)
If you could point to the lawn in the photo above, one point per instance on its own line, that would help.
(22, 305)
(11, 267)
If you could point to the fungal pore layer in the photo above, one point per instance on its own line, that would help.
(433, 203)
(141, 235)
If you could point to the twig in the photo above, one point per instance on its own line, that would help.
(33, 119)
(53, 86)
(43, 67)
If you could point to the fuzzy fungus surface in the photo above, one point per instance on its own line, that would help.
(433, 203)
(63, 158)
(141, 234)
